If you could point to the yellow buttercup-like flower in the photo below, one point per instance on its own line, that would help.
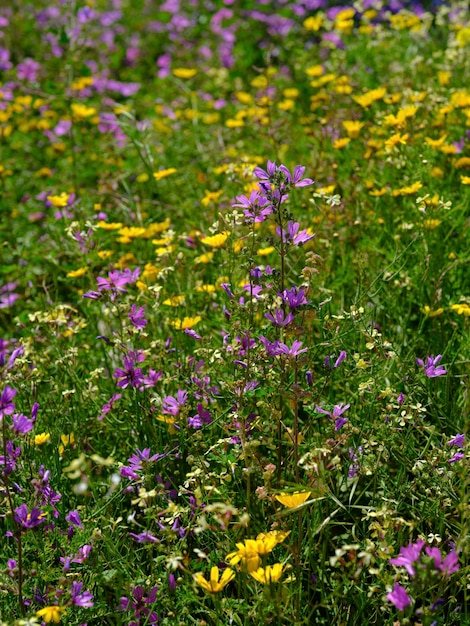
(268, 574)
(164, 173)
(187, 322)
(215, 241)
(214, 585)
(184, 72)
(51, 613)
(292, 500)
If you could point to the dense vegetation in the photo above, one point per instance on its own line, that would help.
(234, 312)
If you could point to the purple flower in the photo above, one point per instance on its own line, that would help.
(458, 441)
(430, 368)
(130, 375)
(28, 519)
(450, 563)
(257, 207)
(192, 333)
(399, 597)
(296, 179)
(340, 359)
(21, 424)
(279, 318)
(293, 351)
(203, 417)
(408, 555)
(293, 297)
(337, 412)
(144, 537)
(151, 379)
(106, 408)
(172, 405)
(84, 599)
(74, 518)
(458, 456)
(137, 317)
(293, 235)
(267, 174)
(27, 70)
(6, 405)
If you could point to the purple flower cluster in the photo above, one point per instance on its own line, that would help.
(431, 367)
(115, 283)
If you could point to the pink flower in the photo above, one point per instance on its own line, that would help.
(399, 597)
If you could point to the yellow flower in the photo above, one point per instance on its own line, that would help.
(432, 313)
(150, 273)
(184, 72)
(142, 178)
(314, 22)
(341, 143)
(463, 162)
(266, 251)
(366, 99)
(204, 258)
(231, 123)
(59, 201)
(77, 273)
(431, 224)
(170, 421)
(292, 500)
(51, 613)
(378, 192)
(353, 128)
(109, 225)
(248, 554)
(164, 173)
(214, 585)
(39, 440)
(104, 254)
(210, 196)
(130, 232)
(174, 300)
(462, 309)
(396, 139)
(407, 191)
(278, 535)
(81, 110)
(187, 322)
(206, 288)
(268, 574)
(465, 180)
(314, 71)
(215, 241)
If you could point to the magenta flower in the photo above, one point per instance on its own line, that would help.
(458, 441)
(21, 424)
(294, 297)
(137, 317)
(171, 405)
(408, 556)
(130, 375)
(144, 537)
(294, 351)
(279, 318)
(399, 597)
(256, 207)
(79, 598)
(293, 235)
(450, 563)
(430, 368)
(296, 179)
(458, 456)
(6, 405)
(267, 174)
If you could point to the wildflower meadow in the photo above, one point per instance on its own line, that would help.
(234, 312)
